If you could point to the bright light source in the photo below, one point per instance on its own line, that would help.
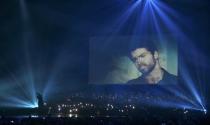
(70, 115)
(205, 111)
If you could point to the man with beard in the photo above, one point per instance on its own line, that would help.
(146, 59)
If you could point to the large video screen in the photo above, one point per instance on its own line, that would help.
(133, 60)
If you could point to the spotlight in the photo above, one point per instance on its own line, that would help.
(205, 111)
(186, 111)
(31, 105)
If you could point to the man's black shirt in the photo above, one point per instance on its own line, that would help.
(166, 80)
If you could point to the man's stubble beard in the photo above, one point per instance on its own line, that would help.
(150, 68)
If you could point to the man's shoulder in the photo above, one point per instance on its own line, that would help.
(169, 78)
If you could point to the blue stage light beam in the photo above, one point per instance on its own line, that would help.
(174, 28)
(26, 96)
(122, 19)
(15, 102)
(154, 10)
(189, 82)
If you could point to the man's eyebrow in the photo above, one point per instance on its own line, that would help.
(142, 54)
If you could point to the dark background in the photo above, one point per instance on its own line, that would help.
(53, 37)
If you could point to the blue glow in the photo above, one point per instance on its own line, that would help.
(148, 16)
(153, 13)
(21, 92)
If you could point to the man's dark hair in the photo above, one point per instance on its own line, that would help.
(147, 44)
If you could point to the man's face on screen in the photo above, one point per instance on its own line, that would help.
(143, 59)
